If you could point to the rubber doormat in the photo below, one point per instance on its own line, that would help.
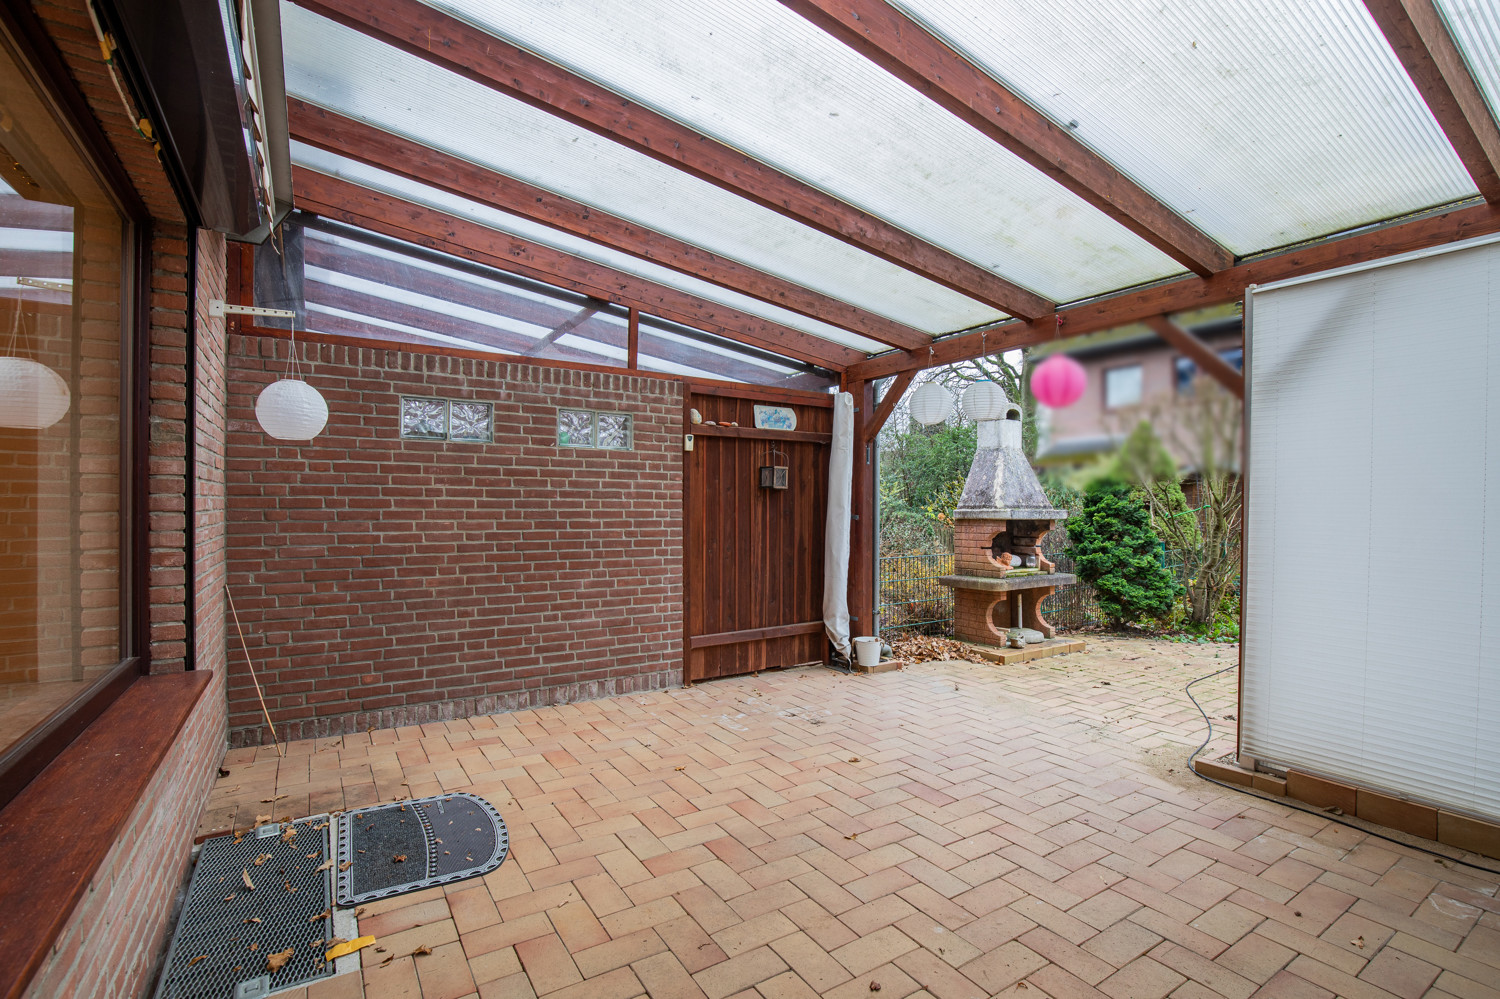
(255, 917)
(409, 845)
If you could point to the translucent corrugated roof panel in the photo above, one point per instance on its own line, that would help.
(383, 181)
(338, 68)
(1263, 122)
(1475, 26)
(762, 79)
(366, 287)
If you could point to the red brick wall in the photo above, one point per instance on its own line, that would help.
(115, 938)
(386, 582)
(210, 500)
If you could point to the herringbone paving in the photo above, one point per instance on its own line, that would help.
(952, 831)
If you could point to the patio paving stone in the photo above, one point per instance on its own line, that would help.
(950, 830)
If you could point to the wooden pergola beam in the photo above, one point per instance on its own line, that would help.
(399, 155)
(888, 404)
(564, 328)
(404, 220)
(905, 49)
(1421, 40)
(1194, 292)
(461, 48)
(1208, 360)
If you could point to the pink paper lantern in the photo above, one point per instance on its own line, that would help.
(1058, 381)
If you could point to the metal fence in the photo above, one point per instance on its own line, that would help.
(911, 598)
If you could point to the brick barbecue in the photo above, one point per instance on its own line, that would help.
(1000, 575)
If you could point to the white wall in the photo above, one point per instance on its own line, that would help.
(1372, 580)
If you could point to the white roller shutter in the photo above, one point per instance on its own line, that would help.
(1372, 560)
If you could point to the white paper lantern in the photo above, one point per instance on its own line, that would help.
(32, 395)
(291, 410)
(985, 401)
(930, 404)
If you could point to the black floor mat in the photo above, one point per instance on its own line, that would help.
(228, 931)
(409, 845)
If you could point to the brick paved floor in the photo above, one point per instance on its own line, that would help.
(948, 831)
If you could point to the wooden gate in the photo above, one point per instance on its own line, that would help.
(753, 555)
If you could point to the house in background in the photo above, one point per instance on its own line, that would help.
(1132, 373)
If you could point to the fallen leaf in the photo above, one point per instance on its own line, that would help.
(854, 759)
(421, 951)
(852, 836)
(200, 957)
(349, 947)
(874, 986)
(272, 801)
(399, 858)
(261, 820)
(255, 946)
(345, 866)
(323, 866)
(393, 956)
(289, 833)
(275, 961)
(1358, 942)
(359, 912)
(253, 919)
(245, 875)
(229, 898)
(262, 859)
(322, 915)
(679, 768)
(310, 856)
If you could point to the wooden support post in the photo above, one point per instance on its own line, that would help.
(888, 405)
(862, 541)
(1207, 359)
(633, 344)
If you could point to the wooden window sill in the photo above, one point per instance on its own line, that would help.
(56, 832)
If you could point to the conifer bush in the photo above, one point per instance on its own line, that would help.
(1115, 550)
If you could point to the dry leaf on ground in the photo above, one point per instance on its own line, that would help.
(245, 875)
(275, 961)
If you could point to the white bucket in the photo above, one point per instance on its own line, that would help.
(867, 651)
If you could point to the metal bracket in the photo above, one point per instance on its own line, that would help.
(218, 307)
(30, 282)
(253, 988)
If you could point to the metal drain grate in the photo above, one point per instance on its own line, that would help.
(408, 845)
(227, 931)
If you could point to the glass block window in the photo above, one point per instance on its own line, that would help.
(424, 419)
(614, 431)
(471, 421)
(584, 428)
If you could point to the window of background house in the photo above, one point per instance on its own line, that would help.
(1122, 386)
(1185, 369)
(62, 267)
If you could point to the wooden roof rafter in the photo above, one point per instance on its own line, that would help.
(463, 49)
(1420, 38)
(1188, 293)
(336, 133)
(428, 227)
(905, 49)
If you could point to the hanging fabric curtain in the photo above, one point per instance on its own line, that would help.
(836, 534)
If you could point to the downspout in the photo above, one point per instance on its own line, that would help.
(190, 463)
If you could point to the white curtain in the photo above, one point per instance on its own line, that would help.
(1371, 648)
(836, 534)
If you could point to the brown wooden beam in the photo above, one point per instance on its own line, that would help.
(1195, 292)
(633, 339)
(888, 404)
(564, 328)
(1208, 360)
(905, 49)
(862, 541)
(476, 55)
(1419, 37)
(390, 216)
(425, 165)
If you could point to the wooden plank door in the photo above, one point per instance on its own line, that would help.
(753, 557)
